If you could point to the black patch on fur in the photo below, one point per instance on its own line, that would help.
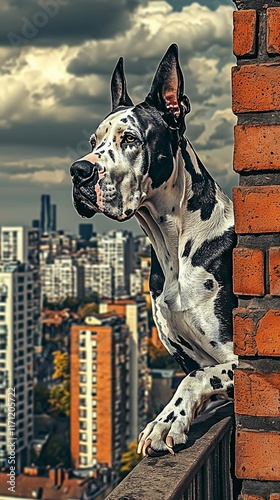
(161, 219)
(185, 343)
(173, 419)
(215, 256)
(187, 249)
(173, 209)
(124, 120)
(213, 343)
(230, 391)
(233, 366)
(230, 374)
(193, 374)
(178, 402)
(114, 139)
(156, 277)
(182, 412)
(224, 371)
(203, 186)
(209, 285)
(186, 362)
(169, 417)
(111, 154)
(216, 382)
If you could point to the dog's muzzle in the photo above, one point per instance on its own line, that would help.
(84, 177)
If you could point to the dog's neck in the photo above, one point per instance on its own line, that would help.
(190, 206)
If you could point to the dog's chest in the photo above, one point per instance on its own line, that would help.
(185, 313)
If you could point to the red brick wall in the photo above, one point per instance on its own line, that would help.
(256, 273)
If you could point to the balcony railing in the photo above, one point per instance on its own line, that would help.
(202, 471)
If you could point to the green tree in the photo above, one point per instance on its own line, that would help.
(59, 398)
(129, 460)
(41, 398)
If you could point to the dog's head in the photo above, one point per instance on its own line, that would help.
(134, 147)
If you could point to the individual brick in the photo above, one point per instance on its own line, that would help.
(248, 271)
(274, 270)
(244, 32)
(257, 394)
(256, 334)
(256, 147)
(273, 30)
(255, 87)
(246, 496)
(257, 209)
(268, 334)
(257, 455)
(243, 333)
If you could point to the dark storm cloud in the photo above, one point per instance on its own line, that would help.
(211, 4)
(56, 22)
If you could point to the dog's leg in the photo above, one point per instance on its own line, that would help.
(170, 427)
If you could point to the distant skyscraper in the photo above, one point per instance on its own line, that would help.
(53, 218)
(85, 231)
(45, 218)
(19, 243)
(36, 223)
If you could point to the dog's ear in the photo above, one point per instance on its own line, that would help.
(167, 91)
(119, 93)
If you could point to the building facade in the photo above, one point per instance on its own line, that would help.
(99, 411)
(136, 318)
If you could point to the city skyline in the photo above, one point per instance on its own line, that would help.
(55, 81)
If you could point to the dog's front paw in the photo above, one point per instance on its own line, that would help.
(167, 433)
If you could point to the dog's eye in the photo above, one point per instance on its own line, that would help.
(92, 141)
(128, 138)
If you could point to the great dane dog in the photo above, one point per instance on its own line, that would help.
(142, 164)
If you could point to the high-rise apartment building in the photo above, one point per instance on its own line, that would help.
(99, 412)
(19, 243)
(85, 231)
(19, 336)
(135, 313)
(62, 278)
(116, 249)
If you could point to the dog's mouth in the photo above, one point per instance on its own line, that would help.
(84, 206)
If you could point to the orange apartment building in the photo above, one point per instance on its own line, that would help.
(135, 313)
(99, 417)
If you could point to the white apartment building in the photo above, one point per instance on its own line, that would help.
(62, 278)
(19, 329)
(116, 250)
(19, 243)
(98, 278)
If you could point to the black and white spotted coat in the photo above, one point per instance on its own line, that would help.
(142, 164)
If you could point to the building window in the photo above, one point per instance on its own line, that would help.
(93, 355)
(94, 379)
(94, 438)
(83, 448)
(94, 414)
(83, 379)
(94, 427)
(83, 413)
(83, 367)
(83, 402)
(93, 391)
(83, 461)
(83, 425)
(94, 367)
(83, 355)
(94, 450)
(83, 436)
(94, 402)
(83, 390)
(94, 343)
(82, 343)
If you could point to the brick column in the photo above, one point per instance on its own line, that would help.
(256, 274)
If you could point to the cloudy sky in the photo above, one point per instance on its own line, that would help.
(56, 59)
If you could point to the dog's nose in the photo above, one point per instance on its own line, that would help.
(81, 170)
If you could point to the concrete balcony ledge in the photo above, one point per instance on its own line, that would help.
(200, 471)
